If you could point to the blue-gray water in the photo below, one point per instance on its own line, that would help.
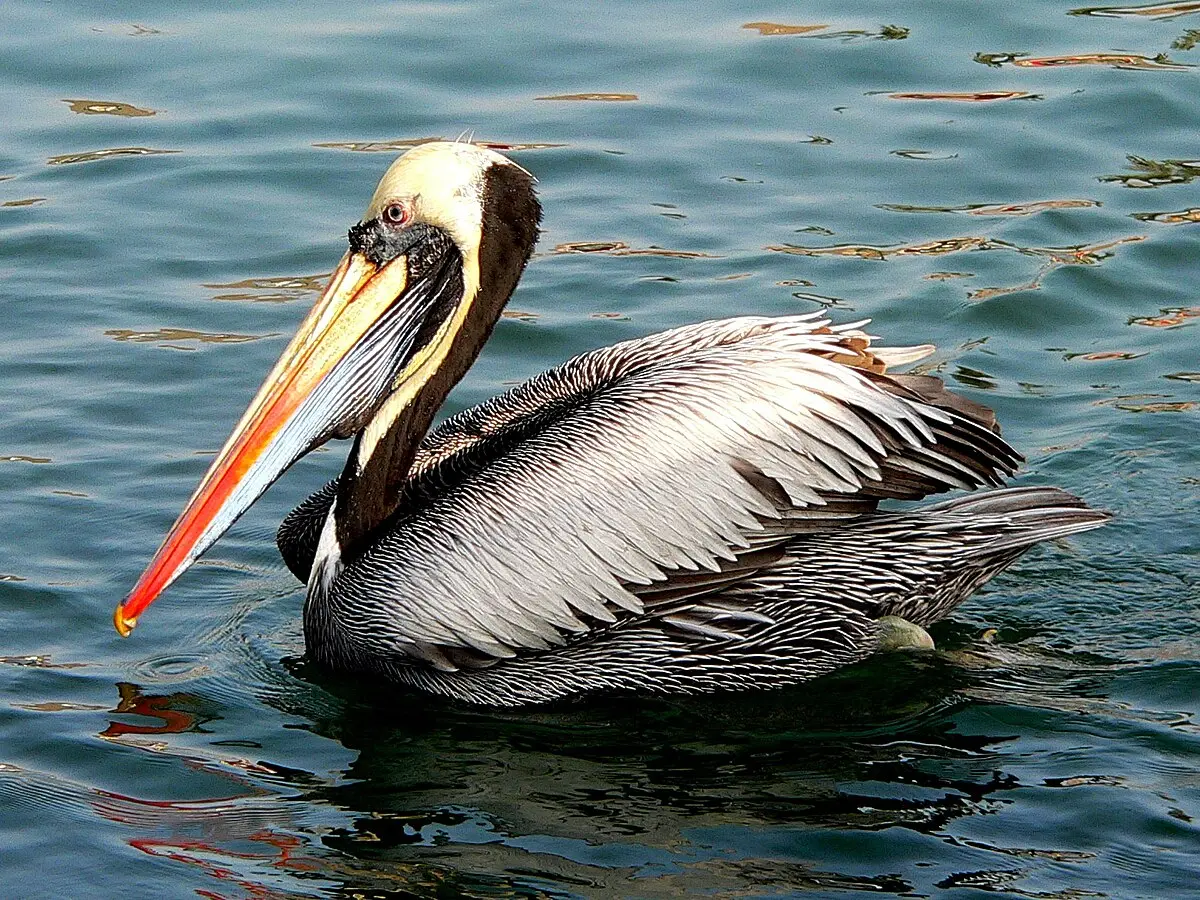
(176, 181)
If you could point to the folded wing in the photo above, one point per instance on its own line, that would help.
(611, 487)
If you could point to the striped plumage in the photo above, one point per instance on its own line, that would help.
(690, 511)
(694, 510)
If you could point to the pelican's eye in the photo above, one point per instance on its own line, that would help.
(397, 214)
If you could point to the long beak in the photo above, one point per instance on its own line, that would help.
(320, 382)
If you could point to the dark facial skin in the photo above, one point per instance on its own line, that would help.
(381, 243)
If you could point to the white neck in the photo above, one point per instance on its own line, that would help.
(327, 563)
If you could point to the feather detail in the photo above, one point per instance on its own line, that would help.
(634, 480)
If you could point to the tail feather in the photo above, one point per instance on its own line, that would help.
(920, 563)
(1008, 500)
(991, 531)
(1032, 514)
(1040, 525)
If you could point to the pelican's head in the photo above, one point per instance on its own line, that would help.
(430, 266)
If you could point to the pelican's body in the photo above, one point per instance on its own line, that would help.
(692, 511)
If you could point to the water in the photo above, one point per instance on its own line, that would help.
(1039, 225)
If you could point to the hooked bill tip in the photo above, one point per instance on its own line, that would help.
(124, 624)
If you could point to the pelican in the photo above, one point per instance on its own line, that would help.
(693, 511)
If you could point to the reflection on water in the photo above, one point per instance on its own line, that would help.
(282, 289)
(1102, 355)
(1146, 403)
(38, 661)
(1115, 60)
(591, 795)
(964, 96)
(1168, 317)
(176, 713)
(170, 338)
(862, 251)
(108, 108)
(601, 96)
(1181, 217)
(994, 209)
(1053, 257)
(775, 29)
(620, 248)
(1152, 173)
(1150, 11)
(67, 159)
(922, 154)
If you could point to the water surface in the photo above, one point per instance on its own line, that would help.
(1016, 182)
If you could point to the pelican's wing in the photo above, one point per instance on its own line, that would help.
(571, 502)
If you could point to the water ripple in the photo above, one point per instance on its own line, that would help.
(885, 170)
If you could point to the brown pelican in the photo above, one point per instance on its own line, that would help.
(691, 511)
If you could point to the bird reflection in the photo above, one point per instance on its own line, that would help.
(681, 795)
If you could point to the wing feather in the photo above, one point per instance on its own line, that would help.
(575, 500)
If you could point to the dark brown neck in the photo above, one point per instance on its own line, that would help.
(370, 488)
